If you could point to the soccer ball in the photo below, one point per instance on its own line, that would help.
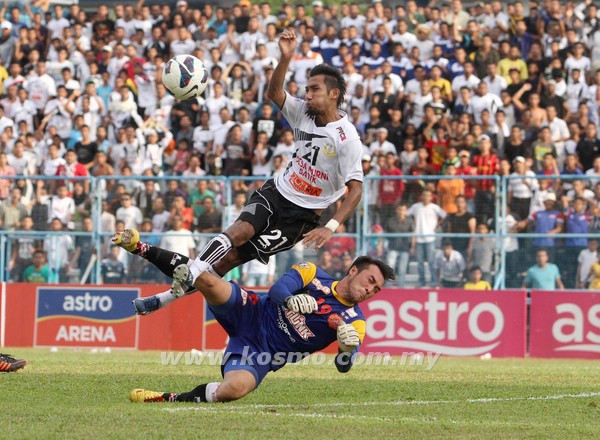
(185, 77)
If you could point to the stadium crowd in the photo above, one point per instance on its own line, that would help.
(434, 88)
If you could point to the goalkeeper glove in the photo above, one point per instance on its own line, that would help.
(301, 303)
(347, 337)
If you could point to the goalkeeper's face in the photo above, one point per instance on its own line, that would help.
(364, 284)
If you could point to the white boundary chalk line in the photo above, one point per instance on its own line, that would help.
(243, 408)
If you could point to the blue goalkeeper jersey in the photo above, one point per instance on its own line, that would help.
(285, 331)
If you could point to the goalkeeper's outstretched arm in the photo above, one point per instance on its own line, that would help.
(349, 339)
(345, 359)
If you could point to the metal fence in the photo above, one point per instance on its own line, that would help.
(78, 256)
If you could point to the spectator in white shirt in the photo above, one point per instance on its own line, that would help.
(559, 134)
(117, 62)
(57, 25)
(160, 215)
(184, 44)
(427, 217)
(122, 109)
(355, 19)
(41, 86)
(286, 147)
(496, 83)
(52, 161)
(381, 144)
(520, 190)
(402, 36)
(484, 101)
(258, 274)
(24, 109)
(178, 239)
(62, 206)
(467, 79)
(130, 215)
(594, 173)
(449, 266)
(58, 248)
(586, 258)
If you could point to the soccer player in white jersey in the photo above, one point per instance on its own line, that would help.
(286, 209)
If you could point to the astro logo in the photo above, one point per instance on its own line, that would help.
(86, 317)
(87, 303)
(445, 322)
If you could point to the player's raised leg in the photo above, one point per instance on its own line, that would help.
(165, 260)
(217, 254)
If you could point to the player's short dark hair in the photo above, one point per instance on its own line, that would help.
(366, 261)
(333, 79)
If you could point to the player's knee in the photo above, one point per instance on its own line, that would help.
(207, 282)
(234, 390)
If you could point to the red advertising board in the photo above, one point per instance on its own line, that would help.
(447, 321)
(98, 316)
(565, 324)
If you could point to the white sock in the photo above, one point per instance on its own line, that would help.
(166, 298)
(211, 391)
(212, 271)
(198, 267)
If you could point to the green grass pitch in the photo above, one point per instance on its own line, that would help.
(73, 394)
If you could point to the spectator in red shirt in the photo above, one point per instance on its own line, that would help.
(464, 168)
(390, 191)
(421, 168)
(437, 146)
(73, 169)
(185, 212)
(487, 164)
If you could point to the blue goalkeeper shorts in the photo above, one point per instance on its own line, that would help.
(240, 318)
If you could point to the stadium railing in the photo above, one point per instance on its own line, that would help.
(506, 269)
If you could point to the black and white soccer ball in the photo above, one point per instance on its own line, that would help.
(185, 77)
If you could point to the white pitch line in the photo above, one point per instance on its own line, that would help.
(241, 408)
(307, 415)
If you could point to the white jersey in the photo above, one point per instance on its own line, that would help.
(325, 158)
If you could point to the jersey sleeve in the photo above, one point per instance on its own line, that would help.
(307, 272)
(350, 160)
(293, 109)
(292, 282)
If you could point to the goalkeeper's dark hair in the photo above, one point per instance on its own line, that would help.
(333, 79)
(366, 261)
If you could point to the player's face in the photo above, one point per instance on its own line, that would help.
(317, 97)
(364, 284)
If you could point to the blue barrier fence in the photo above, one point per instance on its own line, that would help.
(360, 232)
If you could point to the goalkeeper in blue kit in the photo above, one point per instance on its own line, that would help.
(304, 312)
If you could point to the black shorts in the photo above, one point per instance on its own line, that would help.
(279, 223)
